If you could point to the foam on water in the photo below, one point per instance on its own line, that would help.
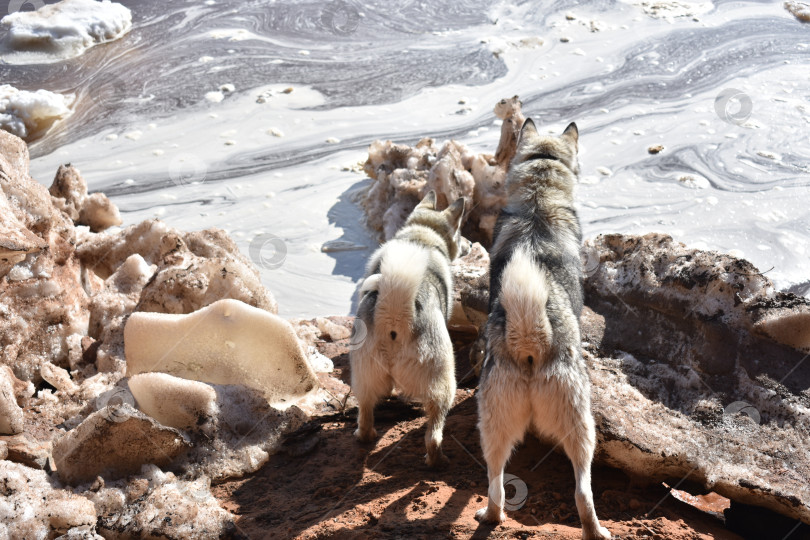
(60, 31)
(261, 161)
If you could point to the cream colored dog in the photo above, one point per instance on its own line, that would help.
(406, 301)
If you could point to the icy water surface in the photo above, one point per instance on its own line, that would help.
(189, 118)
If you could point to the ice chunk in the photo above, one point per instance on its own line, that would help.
(30, 114)
(172, 401)
(62, 30)
(227, 342)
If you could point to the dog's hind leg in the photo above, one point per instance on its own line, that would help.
(570, 420)
(370, 383)
(504, 414)
(436, 410)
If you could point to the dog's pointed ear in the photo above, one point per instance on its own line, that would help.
(571, 132)
(527, 129)
(429, 201)
(455, 212)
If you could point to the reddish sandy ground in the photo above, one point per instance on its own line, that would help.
(328, 485)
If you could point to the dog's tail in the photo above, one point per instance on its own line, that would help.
(402, 270)
(524, 295)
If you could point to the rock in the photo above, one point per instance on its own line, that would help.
(16, 241)
(787, 325)
(800, 10)
(470, 289)
(228, 342)
(58, 377)
(32, 508)
(193, 269)
(69, 190)
(332, 331)
(656, 149)
(114, 442)
(167, 508)
(27, 451)
(41, 297)
(509, 111)
(11, 414)
(99, 213)
(401, 175)
(174, 402)
(110, 307)
(682, 386)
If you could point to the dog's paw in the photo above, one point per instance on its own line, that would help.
(437, 460)
(598, 533)
(366, 436)
(484, 515)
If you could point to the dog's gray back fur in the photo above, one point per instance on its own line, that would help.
(540, 218)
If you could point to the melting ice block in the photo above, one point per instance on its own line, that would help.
(227, 342)
(172, 401)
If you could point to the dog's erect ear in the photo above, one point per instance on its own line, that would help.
(571, 132)
(527, 129)
(455, 212)
(429, 201)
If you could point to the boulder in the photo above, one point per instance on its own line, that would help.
(114, 442)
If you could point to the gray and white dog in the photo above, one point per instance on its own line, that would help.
(534, 375)
(405, 302)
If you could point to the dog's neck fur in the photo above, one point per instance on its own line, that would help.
(546, 190)
(425, 234)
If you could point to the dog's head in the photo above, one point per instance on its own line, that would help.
(548, 156)
(447, 222)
